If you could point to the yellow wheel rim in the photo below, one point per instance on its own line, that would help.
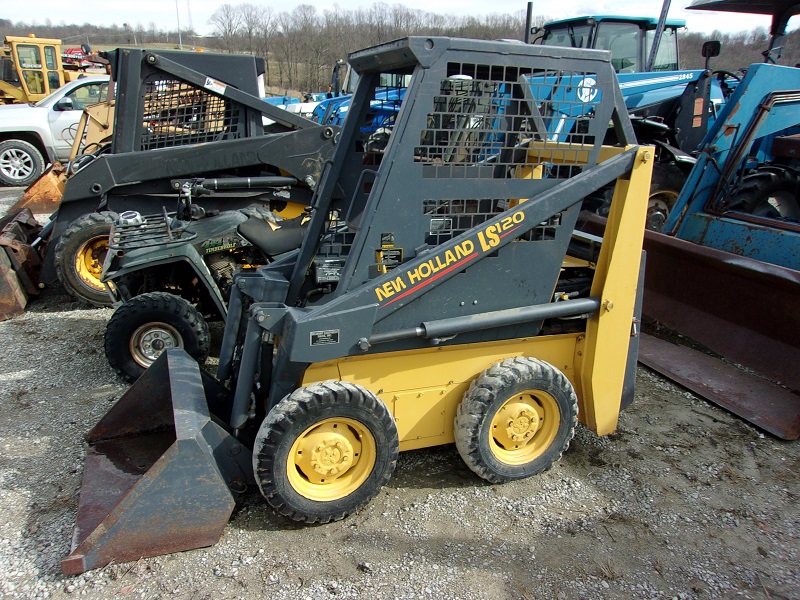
(89, 262)
(524, 427)
(331, 459)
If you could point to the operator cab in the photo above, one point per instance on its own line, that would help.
(33, 64)
(628, 38)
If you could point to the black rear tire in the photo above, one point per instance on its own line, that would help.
(324, 451)
(516, 419)
(771, 193)
(79, 257)
(146, 325)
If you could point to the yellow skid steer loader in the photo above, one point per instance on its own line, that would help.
(440, 295)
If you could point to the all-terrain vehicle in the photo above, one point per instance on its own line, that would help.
(169, 274)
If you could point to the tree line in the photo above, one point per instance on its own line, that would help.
(301, 46)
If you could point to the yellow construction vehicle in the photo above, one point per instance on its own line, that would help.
(31, 68)
(440, 295)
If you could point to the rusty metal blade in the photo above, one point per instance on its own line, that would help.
(43, 196)
(738, 307)
(13, 298)
(161, 475)
(19, 262)
(766, 405)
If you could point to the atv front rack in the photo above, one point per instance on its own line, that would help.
(136, 231)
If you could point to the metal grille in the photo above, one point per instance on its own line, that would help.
(486, 117)
(177, 114)
(449, 218)
(155, 230)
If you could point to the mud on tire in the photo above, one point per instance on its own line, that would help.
(324, 451)
(79, 257)
(148, 324)
(516, 419)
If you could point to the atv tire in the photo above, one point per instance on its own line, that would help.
(146, 325)
(516, 420)
(79, 257)
(20, 163)
(324, 451)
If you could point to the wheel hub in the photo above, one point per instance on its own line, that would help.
(150, 340)
(333, 456)
(657, 213)
(327, 452)
(524, 427)
(89, 262)
(521, 423)
(16, 164)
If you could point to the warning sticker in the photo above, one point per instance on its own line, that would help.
(324, 338)
(212, 85)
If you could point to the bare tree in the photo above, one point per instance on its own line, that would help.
(227, 22)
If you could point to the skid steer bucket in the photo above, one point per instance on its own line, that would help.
(161, 474)
(19, 262)
(43, 196)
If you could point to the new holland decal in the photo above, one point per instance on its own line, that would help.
(447, 261)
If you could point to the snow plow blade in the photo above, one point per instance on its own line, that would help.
(743, 309)
(161, 475)
(43, 196)
(19, 262)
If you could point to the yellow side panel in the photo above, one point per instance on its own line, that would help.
(423, 388)
(602, 357)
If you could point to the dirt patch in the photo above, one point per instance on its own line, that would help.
(684, 501)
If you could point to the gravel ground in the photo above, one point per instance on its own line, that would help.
(684, 501)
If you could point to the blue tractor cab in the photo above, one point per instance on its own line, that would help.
(628, 38)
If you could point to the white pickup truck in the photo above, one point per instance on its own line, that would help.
(34, 135)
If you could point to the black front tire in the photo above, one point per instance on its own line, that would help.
(21, 163)
(144, 326)
(79, 257)
(516, 419)
(324, 451)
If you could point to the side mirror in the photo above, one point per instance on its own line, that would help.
(64, 104)
(711, 49)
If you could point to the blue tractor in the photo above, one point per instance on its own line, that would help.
(727, 274)
(669, 108)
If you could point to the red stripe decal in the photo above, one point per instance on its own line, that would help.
(432, 279)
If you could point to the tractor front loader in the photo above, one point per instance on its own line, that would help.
(441, 294)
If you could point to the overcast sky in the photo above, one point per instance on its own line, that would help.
(165, 13)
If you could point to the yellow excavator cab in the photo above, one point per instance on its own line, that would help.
(31, 69)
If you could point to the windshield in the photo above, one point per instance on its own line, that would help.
(44, 100)
(568, 36)
(624, 41)
(667, 54)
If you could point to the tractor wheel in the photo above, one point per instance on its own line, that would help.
(769, 193)
(79, 257)
(142, 328)
(324, 451)
(665, 187)
(20, 163)
(516, 420)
